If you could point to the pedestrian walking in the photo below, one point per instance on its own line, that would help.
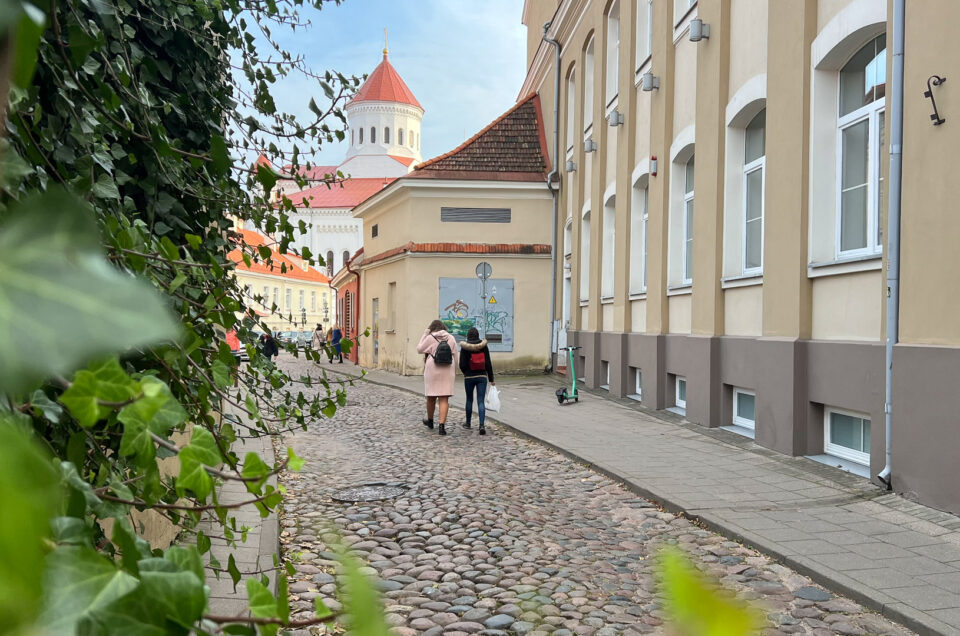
(319, 338)
(329, 347)
(477, 370)
(439, 350)
(268, 346)
(335, 341)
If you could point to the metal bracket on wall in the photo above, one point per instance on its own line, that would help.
(935, 80)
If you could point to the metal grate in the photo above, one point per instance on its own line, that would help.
(475, 215)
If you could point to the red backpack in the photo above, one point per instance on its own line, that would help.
(478, 361)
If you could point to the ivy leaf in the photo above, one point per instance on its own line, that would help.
(102, 381)
(29, 494)
(266, 177)
(221, 374)
(283, 598)
(233, 571)
(202, 451)
(193, 240)
(294, 462)
(694, 606)
(180, 596)
(80, 584)
(255, 468)
(105, 187)
(186, 558)
(262, 602)
(50, 409)
(219, 156)
(156, 412)
(53, 277)
(26, 38)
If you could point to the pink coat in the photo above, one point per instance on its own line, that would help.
(438, 381)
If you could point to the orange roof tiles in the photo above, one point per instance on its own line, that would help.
(385, 85)
(461, 248)
(291, 263)
(512, 147)
(345, 194)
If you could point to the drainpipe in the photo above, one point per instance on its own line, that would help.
(359, 301)
(893, 230)
(554, 191)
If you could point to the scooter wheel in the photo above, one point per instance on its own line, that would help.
(559, 399)
(576, 399)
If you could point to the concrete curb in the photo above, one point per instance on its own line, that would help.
(920, 622)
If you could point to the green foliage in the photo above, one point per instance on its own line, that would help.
(125, 146)
(697, 606)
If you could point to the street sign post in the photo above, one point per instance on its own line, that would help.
(484, 272)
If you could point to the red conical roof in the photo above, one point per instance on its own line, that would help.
(385, 85)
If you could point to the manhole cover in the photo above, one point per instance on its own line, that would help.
(369, 492)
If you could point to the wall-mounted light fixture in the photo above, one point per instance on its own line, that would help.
(648, 82)
(934, 80)
(571, 166)
(653, 165)
(615, 118)
(699, 30)
(589, 145)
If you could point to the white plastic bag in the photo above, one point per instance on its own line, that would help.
(492, 401)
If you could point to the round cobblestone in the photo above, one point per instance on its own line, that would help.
(499, 535)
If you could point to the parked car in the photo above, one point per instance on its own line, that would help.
(305, 340)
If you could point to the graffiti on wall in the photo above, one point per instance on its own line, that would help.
(463, 305)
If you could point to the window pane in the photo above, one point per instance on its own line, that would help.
(853, 219)
(753, 239)
(881, 188)
(847, 431)
(756, 131)
(854, 170)
(865, 447)
(688, 242)
(863, 79)
(645, 251)
(681, 390)
(746, 406)
(688, 177)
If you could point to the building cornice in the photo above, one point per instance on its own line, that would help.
(565, 21)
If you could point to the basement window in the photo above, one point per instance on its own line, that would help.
(847, 435)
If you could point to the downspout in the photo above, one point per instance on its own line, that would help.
(554, 191)
(359, 301)
(893, 229)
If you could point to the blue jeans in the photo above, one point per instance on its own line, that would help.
(480, 385)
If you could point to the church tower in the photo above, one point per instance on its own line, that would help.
(384, 126)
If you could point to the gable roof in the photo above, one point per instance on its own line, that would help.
(385, 85)
(512, 147)
(344, 194)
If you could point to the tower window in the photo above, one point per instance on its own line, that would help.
(352, 138)
(361, 135)
(386, 135)
(400, 136)
(373, 135)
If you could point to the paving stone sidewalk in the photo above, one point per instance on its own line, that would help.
(894, 556)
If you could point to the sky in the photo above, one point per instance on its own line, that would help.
(464, 60)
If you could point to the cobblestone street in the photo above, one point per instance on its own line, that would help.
(499, 535)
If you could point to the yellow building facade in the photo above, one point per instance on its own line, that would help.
(725, 169)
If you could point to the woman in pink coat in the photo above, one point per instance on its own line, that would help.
(438, 378)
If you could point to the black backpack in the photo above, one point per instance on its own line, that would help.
(444, 354)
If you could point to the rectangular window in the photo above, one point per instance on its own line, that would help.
(638, 241)
(289, 298)
(847, 435)
(605, 375)
(854, 186)
(585, 258)
(302, 294)
(613, 52)
(588, 89)
(375, 230)
(680, 9)
(266, 295)
(637, 385)
(744, 408)
(688, 223)
(475, 215)
(313, 301)
(753, 218)
(276, 296)
(571, 103)
(680, 399)
(644, 30)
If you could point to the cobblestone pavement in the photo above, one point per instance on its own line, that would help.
(498, 535)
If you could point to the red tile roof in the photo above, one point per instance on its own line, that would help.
(316, 172)
(294, 264)
(512, 147)
(461, 248)
(404, 160)
(385, 85)
(345, 194)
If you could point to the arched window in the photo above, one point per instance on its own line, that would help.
(400, 136)
(588, 87)
(361, 135)
(329, 262)
(585, 256)
(386, 135)
(754, 162)
(607, 250)
(688, 222)
(352, 137)
(373, 135)
(644, 14)
(571, 107)
(346, 257)
(413, 136)
(613, 51)
(860, 141)
(638, 236)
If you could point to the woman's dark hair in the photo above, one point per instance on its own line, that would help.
(436, 325)
(473, 334)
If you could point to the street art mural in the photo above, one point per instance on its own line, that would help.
(462, 305)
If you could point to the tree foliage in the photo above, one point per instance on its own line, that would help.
(128, 129)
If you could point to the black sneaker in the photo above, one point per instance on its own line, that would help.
(428, 423)
(442, 430)
(466, 425)
(483, 430)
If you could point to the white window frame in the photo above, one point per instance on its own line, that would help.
(638, 383)
(386, 135)
(638, 237)
(605, 373)
(612, 79)
(680, 403)
(645, 43)
(755, 165)
(688, 198)
(399, 136)
(266, 296)
(829, 448)
(680, 11)
(589, 87)
(870, 113)
(585, 219)
(313, 301)
(742, 421)
(303, 298)
(608, 258)
(571, 111)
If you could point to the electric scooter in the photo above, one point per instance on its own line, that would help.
(563, 394)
